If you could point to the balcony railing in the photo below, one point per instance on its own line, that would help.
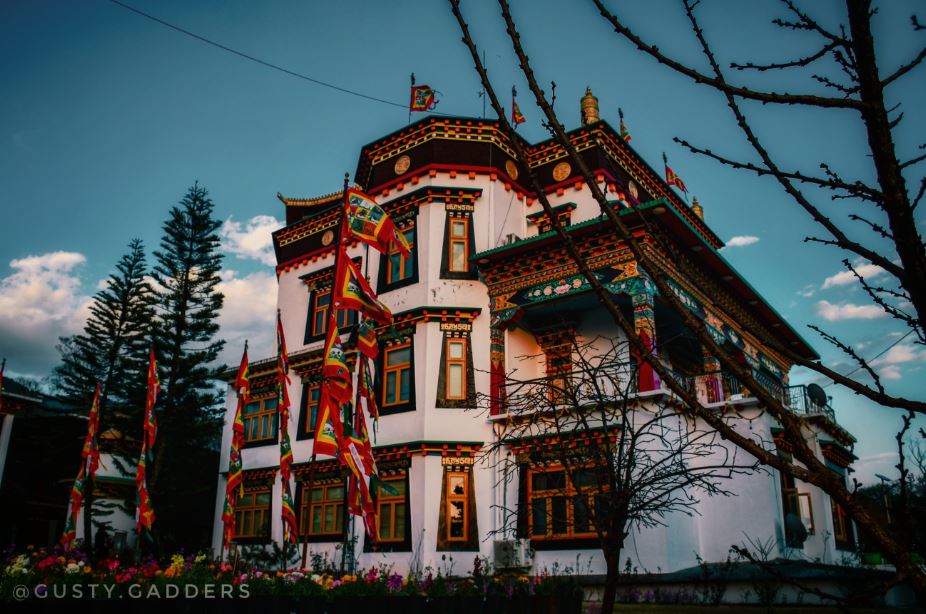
(614, 382)
(609, 383)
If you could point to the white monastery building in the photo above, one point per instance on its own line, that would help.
(488, 284)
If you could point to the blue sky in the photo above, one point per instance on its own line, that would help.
(108, 117)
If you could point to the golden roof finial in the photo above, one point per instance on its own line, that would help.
(697, 208)
(590, 112)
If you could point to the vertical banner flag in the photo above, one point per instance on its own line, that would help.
(353, 291)
(234, 481)
(89, 462)
(149, 435)
(672, 178)
(516, 117)
(287, 510)
(368, 222)
(624, 133)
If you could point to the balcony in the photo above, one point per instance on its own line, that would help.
(615, 382)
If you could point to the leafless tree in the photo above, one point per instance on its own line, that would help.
(606, 461)
(894, 202)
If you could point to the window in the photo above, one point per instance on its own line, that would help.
(397, 375)
(560, 507)
(260, 421)
(842, 527)
(399, 268)
(559, 368)
(311, 393)
(458, 245)
(455, 365)
(798, 512)
(252, 514)
(321, 511)
(319, 314)
(391, 510)
(457, 506)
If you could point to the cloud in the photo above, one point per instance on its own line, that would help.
(252, 239)
(848, 311)
(39, 302)
(808, 291)
(888, 365)
(247, 313)
(844, 278)
(742, 241)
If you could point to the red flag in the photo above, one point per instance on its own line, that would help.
(367, 222)
(517, 118)
(423, 98)
(367, 343)
(328, 427)
(145, 509)
(337, 376)
(353, 291)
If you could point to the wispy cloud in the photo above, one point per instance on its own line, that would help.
(888, 366)
(808, 291)
(248, 312)
(252, 239)
(843, 278)
(39, 302)
(848, 311)
(741, 241)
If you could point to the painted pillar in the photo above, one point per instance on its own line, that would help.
(644, 324)
(713, 381)
(497, 367)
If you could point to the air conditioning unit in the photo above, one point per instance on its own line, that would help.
(513, 554)
(511, 238)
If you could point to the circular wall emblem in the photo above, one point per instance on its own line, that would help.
(561, 171)
(328, 237)
(402, 164)
(512, 169)
(634, 191)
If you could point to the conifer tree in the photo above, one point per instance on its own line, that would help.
(111, 350)
(186, 274)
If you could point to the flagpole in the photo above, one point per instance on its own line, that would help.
(411, 95)
(332, 321)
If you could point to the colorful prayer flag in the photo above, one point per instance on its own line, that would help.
(624, 133)
(423, 97)
(367, 342)
(290, 527)
(234, 481)
(328, 428)
(365, 387)
(516, 117)
(672, 178)
(149, 434)
(337, 376)
(353, 291)
(367, 222)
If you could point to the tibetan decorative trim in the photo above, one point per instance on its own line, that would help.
(325, 471)
(457, 460)
(446, 449)
(461, 198)
(838, 454)
(578, 441)
(436, 314)
(259, 475)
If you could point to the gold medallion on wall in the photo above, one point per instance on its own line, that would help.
(512, 169)
(561, 171)
(402, 164)
(327, 238)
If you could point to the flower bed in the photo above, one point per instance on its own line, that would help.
(37, 579)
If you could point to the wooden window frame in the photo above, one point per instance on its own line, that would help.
(570, 493)
(306, 419)
(392, 501)
(241, 509)
(387, 369)
(308, 510)
(317, 327)
(406, 265)
(462, 362)
(452, 497)
(453, 240)
(273, 422)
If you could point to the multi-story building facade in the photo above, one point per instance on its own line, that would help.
(487, 284)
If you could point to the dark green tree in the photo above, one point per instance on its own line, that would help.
(112, 350)
(186, 273)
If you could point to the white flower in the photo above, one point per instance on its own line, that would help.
(72, 568)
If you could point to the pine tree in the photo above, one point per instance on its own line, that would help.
(190, 406)
(111, 350)
(114, 342)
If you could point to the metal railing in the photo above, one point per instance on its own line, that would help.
(608, 383)
(617, 381)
